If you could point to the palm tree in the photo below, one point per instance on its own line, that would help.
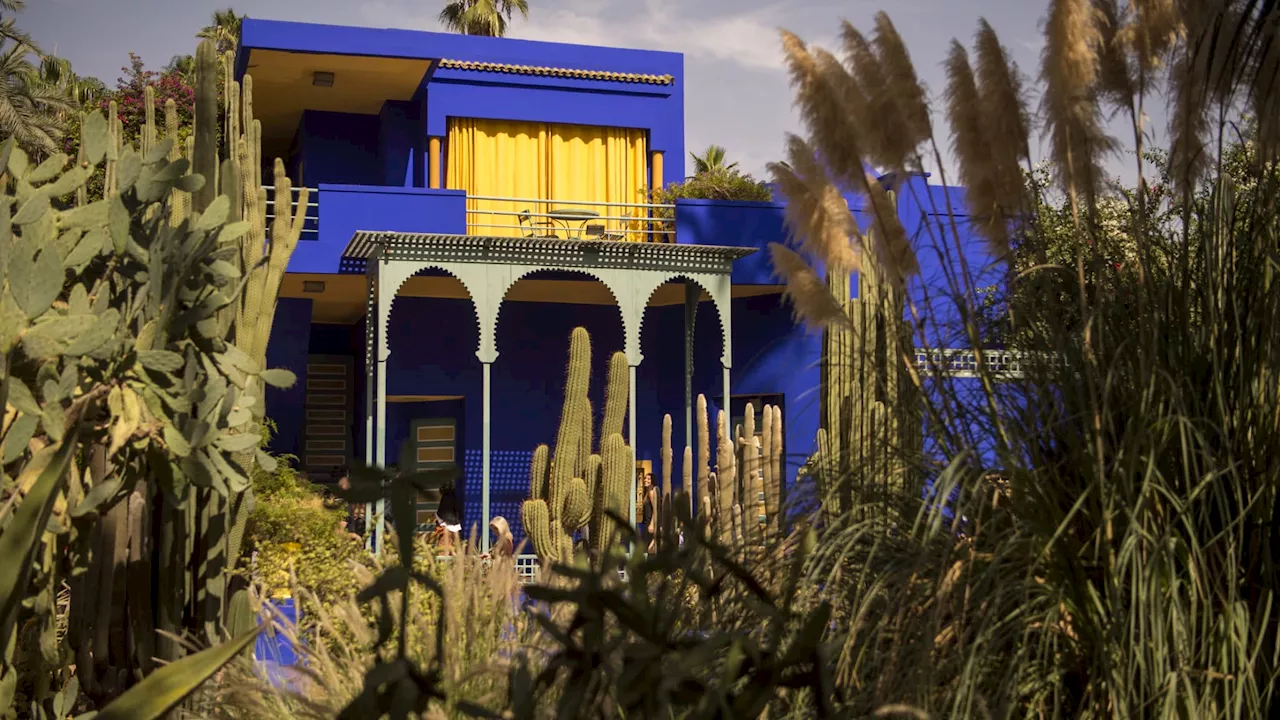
(224, 31)
(57, 73)
(482, 17)
(31, 110)
(710, 160)
(9, 32)
(184, 65)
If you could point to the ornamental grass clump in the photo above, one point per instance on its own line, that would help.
(1091, 537)
(477, 610)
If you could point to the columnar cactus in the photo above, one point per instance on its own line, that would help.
(202, 538)
(869, 415)
(704, 457)
(571, 490)
(742, 500)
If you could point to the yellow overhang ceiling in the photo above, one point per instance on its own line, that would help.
(557, 72)
(283, 86)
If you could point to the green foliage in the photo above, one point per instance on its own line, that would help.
(481, 619)
(130, 101)
(117, 382)
(1092, 535)
(716, 183)
(298, 537)
(490, 18)
(133, 331)
(163, 689)
(711, 159)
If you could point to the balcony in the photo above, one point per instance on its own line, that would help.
(336, 212)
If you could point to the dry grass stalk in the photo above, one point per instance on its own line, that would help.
(1069, 105)
(817, 213)
(900, 74)
(831, 104)
(810, 300)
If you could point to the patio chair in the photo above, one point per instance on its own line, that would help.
(598, 232)
(530, 227)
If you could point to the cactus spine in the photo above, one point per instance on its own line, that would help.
(571, 489)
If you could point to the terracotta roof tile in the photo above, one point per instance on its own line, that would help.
(557, 72)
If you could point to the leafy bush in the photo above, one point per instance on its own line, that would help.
(129, 96)
(480, 627)
(715, 184)
(294, 531)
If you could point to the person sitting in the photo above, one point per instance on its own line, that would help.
(504, 542)
(355, 523)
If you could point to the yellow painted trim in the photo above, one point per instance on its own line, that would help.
(433, 163)
(655, 183)
(558, 72)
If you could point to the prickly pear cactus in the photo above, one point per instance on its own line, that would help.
(117, 386)
(162, 331)
(570, 490)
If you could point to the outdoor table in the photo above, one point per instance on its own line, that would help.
(570, 215)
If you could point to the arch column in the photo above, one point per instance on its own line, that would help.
(488, 267)
(487, 285)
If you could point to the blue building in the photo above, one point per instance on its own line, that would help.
(474, 199)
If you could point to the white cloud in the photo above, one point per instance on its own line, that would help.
(748, 38)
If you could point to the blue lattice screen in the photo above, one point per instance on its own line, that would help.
(508, 487)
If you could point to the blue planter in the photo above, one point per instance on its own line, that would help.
(274, 651)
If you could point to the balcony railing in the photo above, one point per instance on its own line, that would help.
(311, 226)
(571, 219)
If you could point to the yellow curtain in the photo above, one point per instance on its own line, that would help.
(570, 166)
(490, 158)
(592, 164)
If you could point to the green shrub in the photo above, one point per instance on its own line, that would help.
(716, 184)
(294, 531)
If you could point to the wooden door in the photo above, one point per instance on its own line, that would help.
(328, 416)
(434, 446)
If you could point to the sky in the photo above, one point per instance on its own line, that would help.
(737, 93)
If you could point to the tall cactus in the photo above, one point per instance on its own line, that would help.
(199, 541)
(704, 457)
(571, 489)
(868, 412)
(742, 500)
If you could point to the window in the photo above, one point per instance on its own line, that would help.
(543, 167)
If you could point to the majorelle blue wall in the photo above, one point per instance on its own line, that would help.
(771, 354)
(433, 345)
(390, 148)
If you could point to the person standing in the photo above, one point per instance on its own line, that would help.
(649, 517)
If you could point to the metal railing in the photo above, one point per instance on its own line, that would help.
(570, 219)
(963, 362)
(535, 217)
(311, 226)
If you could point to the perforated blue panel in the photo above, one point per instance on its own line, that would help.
(508, 487)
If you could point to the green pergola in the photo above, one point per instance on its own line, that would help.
(489, 266)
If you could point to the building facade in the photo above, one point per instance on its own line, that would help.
(473, 200)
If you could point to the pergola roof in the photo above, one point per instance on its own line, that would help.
(611, 254)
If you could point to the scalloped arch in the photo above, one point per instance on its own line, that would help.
(400, 279)
(704, 282)
(702, 285)
(525, 273)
